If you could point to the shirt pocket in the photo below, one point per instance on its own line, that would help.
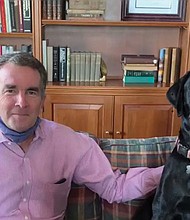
(49, 199)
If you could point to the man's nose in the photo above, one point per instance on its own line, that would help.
(21, 100)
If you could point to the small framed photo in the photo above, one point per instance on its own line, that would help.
(153, 10)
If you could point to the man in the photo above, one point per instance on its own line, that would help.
(40, 158)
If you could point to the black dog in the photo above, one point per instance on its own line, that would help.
(172, 199)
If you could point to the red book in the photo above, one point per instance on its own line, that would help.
(3, 17)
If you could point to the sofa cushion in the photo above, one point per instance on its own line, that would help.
(127, 153)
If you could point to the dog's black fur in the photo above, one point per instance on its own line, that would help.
(172, 199)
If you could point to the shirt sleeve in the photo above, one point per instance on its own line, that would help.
(95, 171)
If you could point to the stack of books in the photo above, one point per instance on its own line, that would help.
(139, 68)
(86, 10)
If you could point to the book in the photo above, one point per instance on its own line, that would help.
(92, 66)
(167, 65)
(87, 4)
(161, 65)
(133, 58)
(49, 9)
(16, 9)
(149, 67)
(12, 16)
(3, 16)
(50, 63)
(87, 66)
(140, 73)
(73, 72)
(7, 16)
(137, 79)
(44, 52)
(62, 63)
(61, 9)
(27, 16)
(68, 64)
(20, 10)
(175, 64)
(54, 9)
(44, 9)
(77, 66)
(82, 66)
(55, 63)
(97, 67)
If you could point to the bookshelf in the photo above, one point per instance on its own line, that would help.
(111, 109)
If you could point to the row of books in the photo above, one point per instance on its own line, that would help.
(62, 9)
(15, 16)
(64, 65)
(149, 69)
(169, 64)
(4, 49)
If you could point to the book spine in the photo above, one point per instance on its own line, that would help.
(55, 64)
(142, 79)
(167, 65)
(140, 73)
(68, 64)
(175, 64)
(50, 63)
(3, 16)
(54, 9)
(62, 64)
(82, 66)
(87, 67)
(61, 9)
(97, 67)
(20, 9)
(7, 15)
(27, 18)
(44, 9)
(16, 9)
(92, 66)
(77, 66)
(73, 72)
(12, 16)
(161, 65)
(49, 9)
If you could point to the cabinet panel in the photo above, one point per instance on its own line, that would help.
(146, 120)
(142, 116)
(92, 114)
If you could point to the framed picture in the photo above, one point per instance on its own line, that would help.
(153, 10)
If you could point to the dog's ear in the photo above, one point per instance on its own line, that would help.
(175, 94)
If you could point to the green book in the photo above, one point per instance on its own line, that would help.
(140, 73)
(138, 79)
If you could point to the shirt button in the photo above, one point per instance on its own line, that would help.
(27, 182)
(9, 143)
(24, 200)
(26, 217)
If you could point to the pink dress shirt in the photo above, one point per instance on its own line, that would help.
(28, 188)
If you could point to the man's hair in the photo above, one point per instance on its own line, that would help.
(26, 59)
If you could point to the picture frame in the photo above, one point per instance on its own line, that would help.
(157, 10)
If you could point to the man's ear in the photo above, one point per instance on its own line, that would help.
(175, 94)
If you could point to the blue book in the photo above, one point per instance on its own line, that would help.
(138, 79)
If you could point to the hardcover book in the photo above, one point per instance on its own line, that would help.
(63, 64)
(175, 64)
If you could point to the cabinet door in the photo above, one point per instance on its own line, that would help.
(93, 114)
(142, 116)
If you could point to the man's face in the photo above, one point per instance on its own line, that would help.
(20, 96)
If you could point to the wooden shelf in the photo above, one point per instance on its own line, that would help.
(115, 23)
(16, 35)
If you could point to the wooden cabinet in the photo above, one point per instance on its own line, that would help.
(90, 113)
(112, 112)
(142, 116)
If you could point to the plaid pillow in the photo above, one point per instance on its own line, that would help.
(126, 153)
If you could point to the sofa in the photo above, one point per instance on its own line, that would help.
(84, 204)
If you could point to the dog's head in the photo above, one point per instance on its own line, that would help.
(179, 95)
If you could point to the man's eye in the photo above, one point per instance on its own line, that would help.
(10, 91)
(33, 93)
